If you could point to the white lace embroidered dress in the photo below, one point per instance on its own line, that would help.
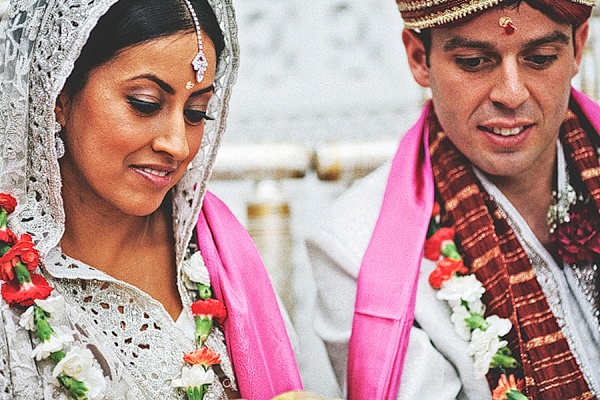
(134, 341)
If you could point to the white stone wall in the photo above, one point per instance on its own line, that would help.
(320, 69)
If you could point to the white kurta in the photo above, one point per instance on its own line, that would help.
(437, 365)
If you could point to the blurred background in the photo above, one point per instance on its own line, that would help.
(323, 96)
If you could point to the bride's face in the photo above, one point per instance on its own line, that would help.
(133, 129)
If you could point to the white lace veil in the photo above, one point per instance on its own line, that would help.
(39, 43)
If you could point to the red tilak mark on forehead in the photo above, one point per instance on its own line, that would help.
(507, 24)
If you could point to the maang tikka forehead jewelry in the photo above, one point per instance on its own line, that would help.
(199, 62)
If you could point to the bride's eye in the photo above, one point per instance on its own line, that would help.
(145, 107)
(196, 116)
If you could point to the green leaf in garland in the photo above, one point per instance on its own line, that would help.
(204, 292)
(477, 321)
(40, 318)
(195, 393)
(76, 389)
(203, 327)
(504, 359)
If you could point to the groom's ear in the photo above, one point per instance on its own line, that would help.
(417, 56)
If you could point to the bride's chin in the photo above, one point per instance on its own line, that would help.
(142, 207)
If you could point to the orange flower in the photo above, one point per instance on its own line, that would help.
(446, 269)
(507, 388)
(204, 356)
(433, 245)
(212, 308)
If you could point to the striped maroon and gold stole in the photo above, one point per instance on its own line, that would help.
(493, 252)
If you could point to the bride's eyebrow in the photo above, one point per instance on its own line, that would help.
(168, 88)
(202, 91)
(162, 84)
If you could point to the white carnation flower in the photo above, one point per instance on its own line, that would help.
(483, 347)
(458, 288)
(476, 307)
(75, 364)
(54, 305)
(55, 343)
(459, 314)
(501, 325)
(78, 364)
(195, 270)
(26, 321)
(195, 376)
(94, 381)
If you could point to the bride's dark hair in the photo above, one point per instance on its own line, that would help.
(131, 22)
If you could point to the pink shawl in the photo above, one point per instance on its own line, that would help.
(256, 336)
(387, 281)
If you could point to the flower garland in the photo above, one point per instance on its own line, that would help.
(197, 378)
(463, 293)
(74, 370)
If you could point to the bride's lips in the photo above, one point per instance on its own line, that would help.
(158, 175)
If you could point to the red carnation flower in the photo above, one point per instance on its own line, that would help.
(579, 239)
(8, 202)
(446, 268)
(24, 295)
(433, 245)
(7, 237)
(204, 356)
(23, 250)
(436, 209)
(212, 308)
(27, 252)
(6, 269)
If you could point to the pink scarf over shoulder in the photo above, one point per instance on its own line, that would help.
(387, 281)
(257, 341)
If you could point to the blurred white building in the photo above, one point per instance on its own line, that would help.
(312, 73)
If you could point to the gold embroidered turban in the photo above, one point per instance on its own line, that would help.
(420, 14)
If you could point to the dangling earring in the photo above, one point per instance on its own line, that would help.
(58, 142)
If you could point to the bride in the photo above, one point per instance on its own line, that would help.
(146, 285)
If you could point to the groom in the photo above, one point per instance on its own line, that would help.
(510, 154)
